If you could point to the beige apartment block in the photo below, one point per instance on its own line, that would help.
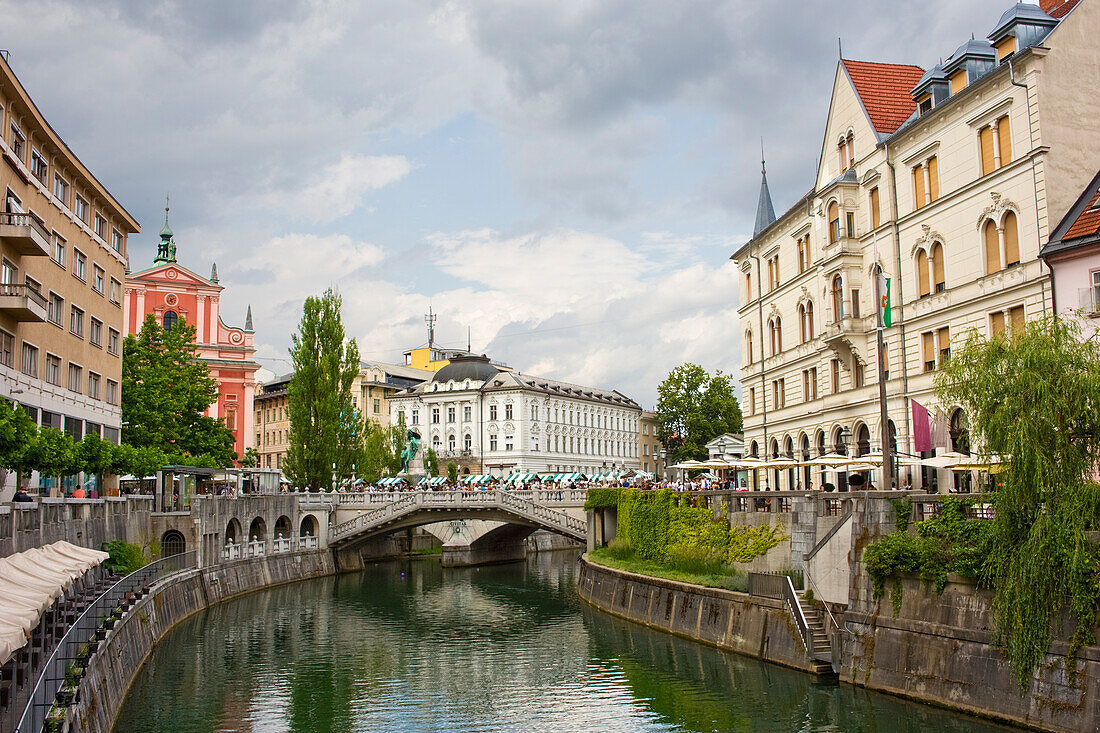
(950, 180)
(650, 453)
(63, 258)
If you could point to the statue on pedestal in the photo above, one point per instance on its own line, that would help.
(412, 446)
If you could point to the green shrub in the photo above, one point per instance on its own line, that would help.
(696, 561)
(601, 498)
(125, 557)
(620, 549)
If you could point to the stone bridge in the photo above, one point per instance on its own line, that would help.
(474, 526)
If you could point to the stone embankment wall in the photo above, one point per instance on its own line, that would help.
(757, 627)
(84, 522)
(120, 657)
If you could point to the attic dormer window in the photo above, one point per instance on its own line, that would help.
(925, 105)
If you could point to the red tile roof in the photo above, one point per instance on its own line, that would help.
(1057, 8)
(885, 91)
(1088, 222)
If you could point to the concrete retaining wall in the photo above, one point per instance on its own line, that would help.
(119, 658)
(756, 627)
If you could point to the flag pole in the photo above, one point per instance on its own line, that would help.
(883, 301)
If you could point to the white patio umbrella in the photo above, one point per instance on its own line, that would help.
(829, 459)
(781, 462)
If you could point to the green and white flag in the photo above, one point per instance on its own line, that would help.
(884, 306)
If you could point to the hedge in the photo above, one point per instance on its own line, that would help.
(601, 498)
(653, 524)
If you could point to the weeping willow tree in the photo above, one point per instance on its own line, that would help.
(1034, 396)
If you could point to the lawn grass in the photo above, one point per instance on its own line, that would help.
(727, 578)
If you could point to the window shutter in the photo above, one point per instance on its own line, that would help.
(918, 187)
(986, 138)
(922, 273)
(1004, 140)
(933, 179)
(1012, 240)
(992, 248)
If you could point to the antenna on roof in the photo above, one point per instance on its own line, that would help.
(430, 319)
(839, 49)
(762, 168)
(469, 348)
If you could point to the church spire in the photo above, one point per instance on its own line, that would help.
(214, 272)
(248, 319)
(765, 212)
(166, 248)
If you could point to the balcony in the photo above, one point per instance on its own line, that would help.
(24, 234)
(845, 336)
(22, 302)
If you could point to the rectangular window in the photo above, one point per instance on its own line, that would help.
(38, 166)
(467, 413)
(76, 321)
(95, 332)
(1004, 141)
(7, 349)
(8, 272)
(18, 143)
(53, 369)
(508, 412)
(116, 240)
(875, 216)
(80, 208)
(813, 383)
(996, 323)
(58, 249)
(377, 406)
(113, 338)
(100, 227)
(835, 374)
(415, 417)
(933, 179)
(492, 442)
(61, 189)
(943, 336)
(28, 363)
(93, 385)
(928, 350)
(860, 374)
(1016, 318)
(112, 393)
(918, 187)
(450, 414)
(80, 265)
(435, 416)
(850, 223)
(116, 288)
(507, 442)
(752, 400)
(98, 281)
(56, 309)
(76, 377)
(855, 303)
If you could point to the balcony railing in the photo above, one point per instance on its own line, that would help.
(24, 234)
(22, 302)
(846, 327)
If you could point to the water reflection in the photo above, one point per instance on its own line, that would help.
(409, 646)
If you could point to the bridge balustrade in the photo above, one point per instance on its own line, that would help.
(307, 543)
(256, 548)
(231, 551)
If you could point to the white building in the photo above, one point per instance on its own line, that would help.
(492, 420)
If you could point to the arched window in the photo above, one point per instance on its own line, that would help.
(838, 298)
(172, 543)
(802, 323)
(834, 222)
(939, 282)
(863, 441)
(778, 335)
(851, 150)
(809, 320)
(922, 274)
(748, 344)
(992, 248)
(170, 319)
(1012, 240)
(450, 443)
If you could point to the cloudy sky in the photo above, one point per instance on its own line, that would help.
(566, 178)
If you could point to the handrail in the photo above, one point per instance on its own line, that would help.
(22, 219)
(791, 599)
(83, 630)
(807, 576)
(21, 289)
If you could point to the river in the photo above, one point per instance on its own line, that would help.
(409, 646)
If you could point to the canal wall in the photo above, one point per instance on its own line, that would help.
(114, 666)
(754, 626)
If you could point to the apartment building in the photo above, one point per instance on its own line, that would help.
(650, 453)
(62, 262)
(272, 422)
(949, 180)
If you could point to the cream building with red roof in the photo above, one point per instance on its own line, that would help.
(951, 180)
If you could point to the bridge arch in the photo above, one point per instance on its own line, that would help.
(257, 530)
(282, 527)
(309, 526)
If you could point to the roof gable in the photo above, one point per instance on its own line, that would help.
(174, 273)
(1081, 224)
(884, 90)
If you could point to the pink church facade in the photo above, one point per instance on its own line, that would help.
(172, 293)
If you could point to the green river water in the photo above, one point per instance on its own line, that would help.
(409, 646)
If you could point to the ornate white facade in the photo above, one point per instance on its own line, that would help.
(501, 422)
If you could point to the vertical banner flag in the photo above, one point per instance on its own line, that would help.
(884, 306)
(922, 432)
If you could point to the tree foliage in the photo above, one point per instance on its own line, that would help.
(431, 462)
(693, 408)
(165, 393)
(325, 429)
(452, 473)
(1034, 396)
(17, 430)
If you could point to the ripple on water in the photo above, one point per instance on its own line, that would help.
(408, 646)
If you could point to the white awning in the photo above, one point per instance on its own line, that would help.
(32, 580)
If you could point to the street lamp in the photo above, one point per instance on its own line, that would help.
(846, 438)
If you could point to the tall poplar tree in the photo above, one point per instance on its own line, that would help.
(324, 427)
